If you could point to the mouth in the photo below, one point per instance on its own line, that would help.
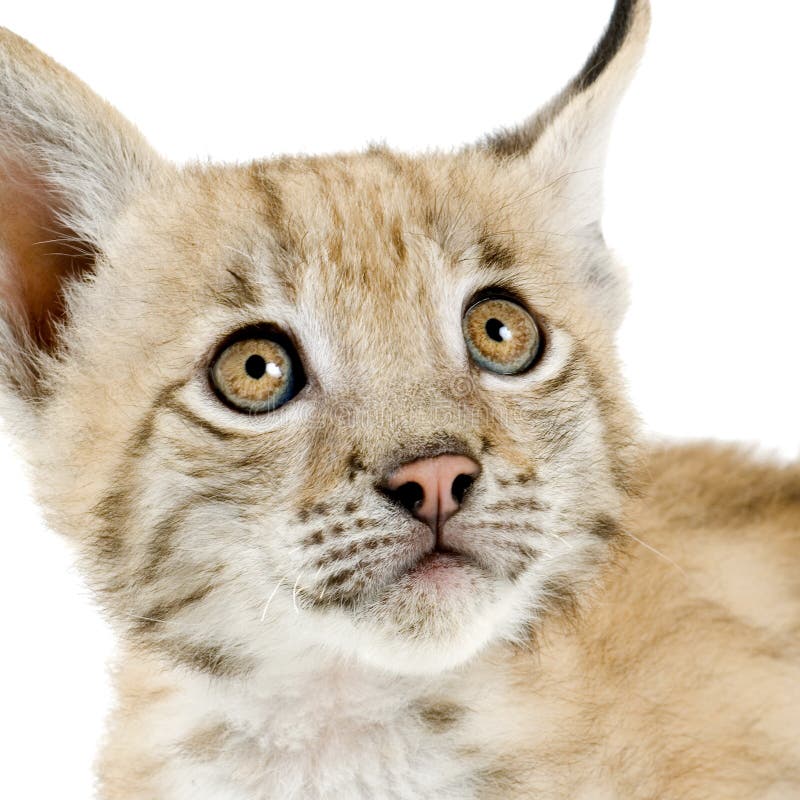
(437, 561)
(440, 570)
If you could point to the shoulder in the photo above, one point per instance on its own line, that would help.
(707, 484)
(715, 532)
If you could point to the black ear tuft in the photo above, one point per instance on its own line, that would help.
(623, 37)
(612, 42)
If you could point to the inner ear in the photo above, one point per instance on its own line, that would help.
(40, 254)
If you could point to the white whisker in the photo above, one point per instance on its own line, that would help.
(569, 545)
(658, 553)
(274, 592)
(240, 253)
(294, 593)
(147, 619)
(179, 623)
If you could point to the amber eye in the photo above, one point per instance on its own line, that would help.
(257, 374)
(501, 336)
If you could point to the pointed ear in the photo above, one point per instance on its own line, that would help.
(563, 147)
(69, 165)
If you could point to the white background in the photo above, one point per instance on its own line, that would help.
(702, 205)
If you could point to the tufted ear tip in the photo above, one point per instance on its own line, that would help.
(624, 39)
(598, 86)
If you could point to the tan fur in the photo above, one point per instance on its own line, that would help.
(669, 687)
(625, 621)
(666, 686)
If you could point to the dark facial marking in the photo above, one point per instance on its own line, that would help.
(343, 552)
(273, 211)
(559, 594)
(442, 715)
(329, 597)
(500, 781)
(606, 527)
(143, 433)
(355, 465)
(515, 570)
(160, 546)
(199, 422)
(164, 611)
(240, 292)
(112, 510)
(437, 445)
(525, 555)
(495, 254)
(569, 372)
(515, 504)
(501, 525)
(525, 478)
(211, 659)
(398, 241)
(316, 538)
(339, 578)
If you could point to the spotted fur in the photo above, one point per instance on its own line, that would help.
(623, 621)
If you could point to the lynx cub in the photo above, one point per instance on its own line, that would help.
(342, 446)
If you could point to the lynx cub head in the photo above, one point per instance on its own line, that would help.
(368, 402)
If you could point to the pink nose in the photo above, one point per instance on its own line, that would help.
(433, 489)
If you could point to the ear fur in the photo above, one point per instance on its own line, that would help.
(564, 145)
(69, 164)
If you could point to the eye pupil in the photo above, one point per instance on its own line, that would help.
(497, 331)
(255, 367)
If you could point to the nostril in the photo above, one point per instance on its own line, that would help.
(461, 485)
(410, 495)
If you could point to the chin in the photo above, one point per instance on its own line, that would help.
(432, 621)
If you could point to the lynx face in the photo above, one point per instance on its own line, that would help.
(369, 402)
